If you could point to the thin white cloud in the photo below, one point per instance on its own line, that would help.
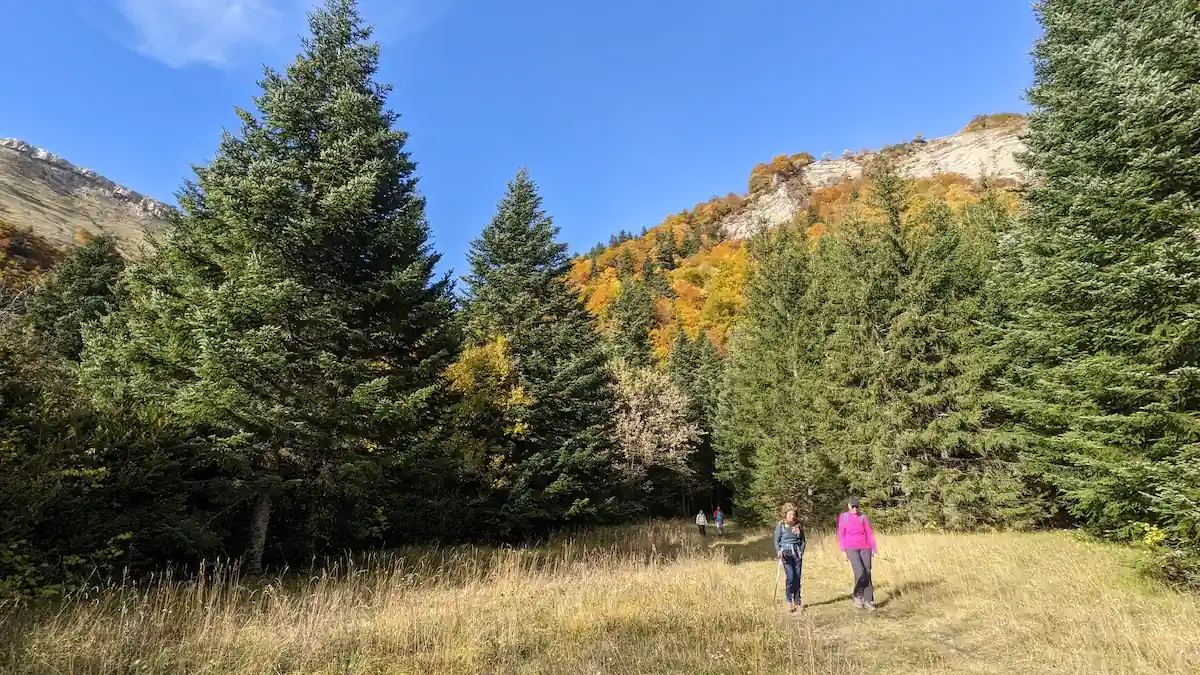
(396, 19)
(213, 32)
(226, 33)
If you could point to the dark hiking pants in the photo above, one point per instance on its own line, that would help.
(860, 562)
(792, 565)
(703, 530)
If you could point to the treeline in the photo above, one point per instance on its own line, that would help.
(964, 369)
(862, 362)
(283, 376)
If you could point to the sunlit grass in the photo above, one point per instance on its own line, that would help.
(646, 599)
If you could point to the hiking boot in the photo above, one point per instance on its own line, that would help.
(858, 602)
(869, 606)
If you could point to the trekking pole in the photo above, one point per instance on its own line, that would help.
(778, 569)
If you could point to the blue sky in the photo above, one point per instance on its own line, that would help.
(624, 111)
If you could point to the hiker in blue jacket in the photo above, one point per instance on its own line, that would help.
(789, 550)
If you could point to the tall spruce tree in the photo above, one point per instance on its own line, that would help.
(857, 285)
(633, 318)
(665, 247)
(292, 316)
(625, 264)
(703, 392)
(861, 366)
(903, 396)
(561, 469)
(655, 280)
(681, 360)
(706, 383)
(948, 475)
(1106, 342)
(765, 450)
(81, 289)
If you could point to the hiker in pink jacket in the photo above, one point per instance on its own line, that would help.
(858, 543)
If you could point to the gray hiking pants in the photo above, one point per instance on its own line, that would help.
(860, 562)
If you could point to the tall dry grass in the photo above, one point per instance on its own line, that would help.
(646, 599)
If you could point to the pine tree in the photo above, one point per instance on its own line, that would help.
(704, 393)
(948, 475)
(861, 366)
(625, 264)
(633, 318)
(681, 360)
(292, 316)
(856, 286)
(561, 468)
(696, 367)
(655, 280)
(706, 382)
(81, 289)
(665, 247)
(903, 369)
(1106, 341)
(764, 436)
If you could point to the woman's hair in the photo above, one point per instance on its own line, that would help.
(783, 511)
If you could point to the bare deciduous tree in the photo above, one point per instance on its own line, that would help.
(652, 423)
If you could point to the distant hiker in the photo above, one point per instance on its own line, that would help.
(719, 519)
(702, 523)
(858, 543)
(789, 550)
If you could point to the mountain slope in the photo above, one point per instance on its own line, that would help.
(62, 203)
(699, 253)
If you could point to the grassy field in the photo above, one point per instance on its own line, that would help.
(648, 599)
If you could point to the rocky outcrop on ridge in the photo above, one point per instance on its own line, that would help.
(64, 203)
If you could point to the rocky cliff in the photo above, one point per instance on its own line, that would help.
(60, 201)
(990, 152)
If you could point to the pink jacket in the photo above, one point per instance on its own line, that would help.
(855, 532)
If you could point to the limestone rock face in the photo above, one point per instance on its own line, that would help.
(991, 151)
(58, 200)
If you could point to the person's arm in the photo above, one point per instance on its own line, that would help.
(842, 532)
(870, 535)
(803, 542)
(778, 538)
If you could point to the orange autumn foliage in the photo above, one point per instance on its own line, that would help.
(828, 205)
(784, 166)
(707, 288)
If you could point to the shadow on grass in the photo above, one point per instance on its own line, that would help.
(830, 601)
(892, 594)
(915, 587)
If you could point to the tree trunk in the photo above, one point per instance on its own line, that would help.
(258, 535)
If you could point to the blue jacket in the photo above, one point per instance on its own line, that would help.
(788, 542)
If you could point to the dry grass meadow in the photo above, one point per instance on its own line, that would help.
(647, 599)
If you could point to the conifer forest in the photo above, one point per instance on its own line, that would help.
(284, 376)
